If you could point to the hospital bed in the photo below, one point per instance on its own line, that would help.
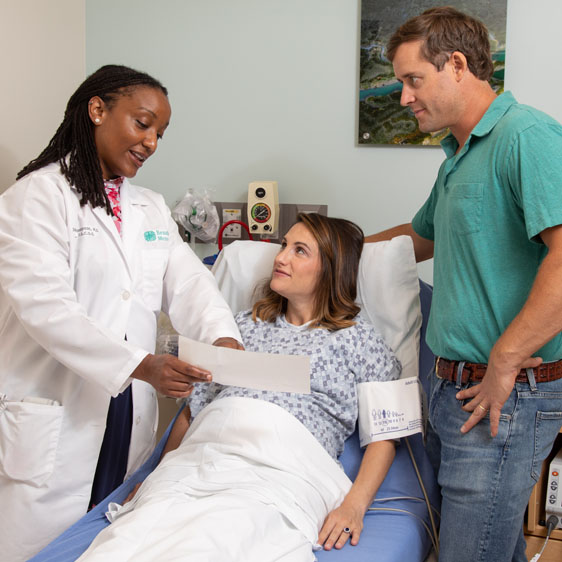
(398, 526)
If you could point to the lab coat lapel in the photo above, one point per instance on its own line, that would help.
(108, 225)
(132, 218)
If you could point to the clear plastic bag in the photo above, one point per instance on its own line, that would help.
(168, 343)
(197, 214)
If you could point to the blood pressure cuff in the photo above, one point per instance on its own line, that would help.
(389, 409)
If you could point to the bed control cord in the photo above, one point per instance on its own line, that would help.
(435, 544)
(412, 498)
(435, 536)
(551, 523)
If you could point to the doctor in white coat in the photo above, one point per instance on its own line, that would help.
(87, 261)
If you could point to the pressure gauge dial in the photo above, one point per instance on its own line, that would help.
(261, 212)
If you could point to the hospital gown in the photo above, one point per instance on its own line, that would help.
(339, 360)
(255, 475)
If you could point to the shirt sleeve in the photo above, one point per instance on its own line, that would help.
(203, 394)
(374, 360)
(535, 173)
(191, 296)
(423, 223)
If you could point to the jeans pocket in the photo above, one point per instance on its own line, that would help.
(29, 436)
(547, 427)
(435, 391)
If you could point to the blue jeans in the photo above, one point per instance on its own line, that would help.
(486, 482)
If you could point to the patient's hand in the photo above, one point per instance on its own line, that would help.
(132, 493)
(346, 516)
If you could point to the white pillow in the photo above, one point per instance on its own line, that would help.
(387, 290)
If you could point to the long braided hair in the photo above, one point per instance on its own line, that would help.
(73, 145)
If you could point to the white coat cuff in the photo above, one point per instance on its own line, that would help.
(131, 365)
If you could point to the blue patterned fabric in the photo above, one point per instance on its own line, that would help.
(339, 360)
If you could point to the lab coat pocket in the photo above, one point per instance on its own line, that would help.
(29, 436)
(153, 268)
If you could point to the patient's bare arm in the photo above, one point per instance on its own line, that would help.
(376, 461)
(178, 430)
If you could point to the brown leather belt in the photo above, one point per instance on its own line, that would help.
(474, 372)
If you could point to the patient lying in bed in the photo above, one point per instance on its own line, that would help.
(253, 475)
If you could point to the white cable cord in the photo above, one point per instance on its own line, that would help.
(539, 554)
(412, 498)
(551, 523)
(434, 535)
(435, 545)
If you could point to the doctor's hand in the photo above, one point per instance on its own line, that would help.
(169, 375)
(491, 394)
(344, 522)
(229, 342)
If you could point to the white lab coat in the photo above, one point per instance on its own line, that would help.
(71, 288)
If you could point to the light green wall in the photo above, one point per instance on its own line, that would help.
(267, 89)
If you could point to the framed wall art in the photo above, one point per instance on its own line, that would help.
(382, 120)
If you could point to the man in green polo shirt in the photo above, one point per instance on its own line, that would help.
(493, 223)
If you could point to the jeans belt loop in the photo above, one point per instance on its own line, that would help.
(460, 368)
(531, 379)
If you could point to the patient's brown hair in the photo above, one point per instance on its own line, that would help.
(340, 244)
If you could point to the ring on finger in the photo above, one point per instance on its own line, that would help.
(482, 408)
(346, 530)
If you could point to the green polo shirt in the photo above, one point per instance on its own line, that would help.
(485, 212)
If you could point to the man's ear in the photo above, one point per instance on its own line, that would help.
(459, 65)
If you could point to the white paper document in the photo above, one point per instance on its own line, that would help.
(389, 409)
(262, 371)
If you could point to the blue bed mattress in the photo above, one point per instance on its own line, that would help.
(388, 536)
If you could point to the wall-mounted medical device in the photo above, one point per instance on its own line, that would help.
(263, 207)
(553, 503)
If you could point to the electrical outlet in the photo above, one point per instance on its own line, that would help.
(232, 230)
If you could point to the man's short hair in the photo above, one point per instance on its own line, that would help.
(442, 31)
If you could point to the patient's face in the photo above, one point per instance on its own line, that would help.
(296, 268)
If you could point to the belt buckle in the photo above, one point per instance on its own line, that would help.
(437, 367)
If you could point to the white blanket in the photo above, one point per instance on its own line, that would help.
(249, 482)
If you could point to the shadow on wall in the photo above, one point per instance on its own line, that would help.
(9, 167)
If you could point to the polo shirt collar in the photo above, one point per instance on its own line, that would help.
(494, 113)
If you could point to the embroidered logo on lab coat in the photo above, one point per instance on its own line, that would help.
(153, 235)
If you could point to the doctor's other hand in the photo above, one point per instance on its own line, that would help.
(229, 342)
(343, 523)
(169, 375)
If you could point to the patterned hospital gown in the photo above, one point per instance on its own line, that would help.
(338, 361)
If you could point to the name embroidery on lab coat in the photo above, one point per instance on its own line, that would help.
(153, 235)
(85, 231)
